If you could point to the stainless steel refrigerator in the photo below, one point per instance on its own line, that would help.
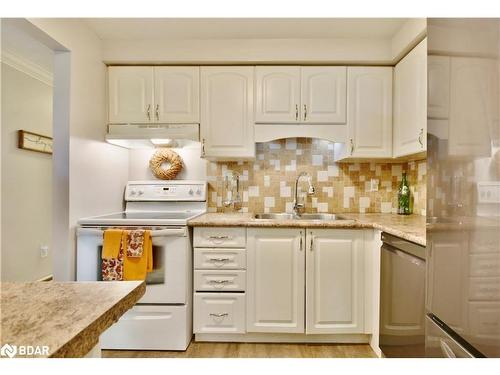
(463, 189)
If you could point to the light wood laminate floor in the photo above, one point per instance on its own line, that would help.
(251, 350)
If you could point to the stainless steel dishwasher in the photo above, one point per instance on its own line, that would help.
(402, 298)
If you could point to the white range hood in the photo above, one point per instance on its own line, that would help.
(153, 135)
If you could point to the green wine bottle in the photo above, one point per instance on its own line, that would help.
(404, 197)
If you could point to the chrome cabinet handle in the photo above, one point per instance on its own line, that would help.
(219, 259)
(420, 137)
(148, 112)
(296, 112)
(157, 112)
(305, 112)
(219, 281)
(203, 148)
(218, 315)
(300, 241)
(352, 146)
(218, 237)
(312, 244)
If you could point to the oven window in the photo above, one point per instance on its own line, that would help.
(157, 276)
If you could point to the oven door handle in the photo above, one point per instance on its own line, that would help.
(172, 232)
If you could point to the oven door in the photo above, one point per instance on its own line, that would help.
(170, 280)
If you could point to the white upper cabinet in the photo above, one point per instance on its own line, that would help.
(473, 106)
(130, 94)
(177, 94)
(146, 94)
(294, 94)
(410, 103)
(438, 87)
(335, 281)
(277, 94)
(369, 112)
(275, 280)
(227, 112)
(323, 94)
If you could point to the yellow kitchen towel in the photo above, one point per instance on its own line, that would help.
(112, 255)
(112, 243)
(136, 268)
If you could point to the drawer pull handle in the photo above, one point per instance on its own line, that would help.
(219, 281)
(218, 315)
(219, 259)
(218, 237)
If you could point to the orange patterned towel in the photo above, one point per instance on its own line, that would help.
(112, 255)
(136, 267)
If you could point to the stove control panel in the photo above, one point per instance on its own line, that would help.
(178, 190)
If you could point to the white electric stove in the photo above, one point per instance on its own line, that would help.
(162, 319)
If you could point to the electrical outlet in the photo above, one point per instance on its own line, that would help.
(44, 251)
(373, 184)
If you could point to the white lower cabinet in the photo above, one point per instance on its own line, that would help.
(334, 281)
(219, 313)
(303, 280)
(276, 276)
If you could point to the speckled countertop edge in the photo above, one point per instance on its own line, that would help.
(48, 313)
(411, 228)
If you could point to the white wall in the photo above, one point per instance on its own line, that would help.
(97, 171)
(194, 168)
(197, 51)
(26, 178)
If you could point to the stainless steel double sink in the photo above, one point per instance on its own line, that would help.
(287, 216)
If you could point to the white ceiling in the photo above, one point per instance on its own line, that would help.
(243, 28)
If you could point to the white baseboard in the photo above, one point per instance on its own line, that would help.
(283, 338)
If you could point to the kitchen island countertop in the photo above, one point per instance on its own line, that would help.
(66, 318)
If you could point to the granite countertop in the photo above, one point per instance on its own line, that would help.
(411, 227)
(68, 317)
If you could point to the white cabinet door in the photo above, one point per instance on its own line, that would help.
(447, 290)
(370, 111)
(410, 103)
(323, 94)
(130, 90)
(438, 87)
(473, 106)
(277, 94)
(275, 280)
(177, 94)
(227, 112)
(335, 281)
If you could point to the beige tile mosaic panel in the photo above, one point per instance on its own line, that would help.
(267, 184)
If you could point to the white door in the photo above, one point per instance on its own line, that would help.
(277, 94)
(370, 111)
(438, 87)
(473, 106)
(275, 280)
(227, 112)
(177, 94)
(130, 90)
(410, 102)
(335, 281)
(323, 94)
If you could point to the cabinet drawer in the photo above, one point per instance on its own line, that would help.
(219, 313)
(484, 289)
(485, 265)
(484, 318)
(219, 237)
(218, 259)
(219, 281)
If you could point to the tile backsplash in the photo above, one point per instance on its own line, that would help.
(267, 184)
